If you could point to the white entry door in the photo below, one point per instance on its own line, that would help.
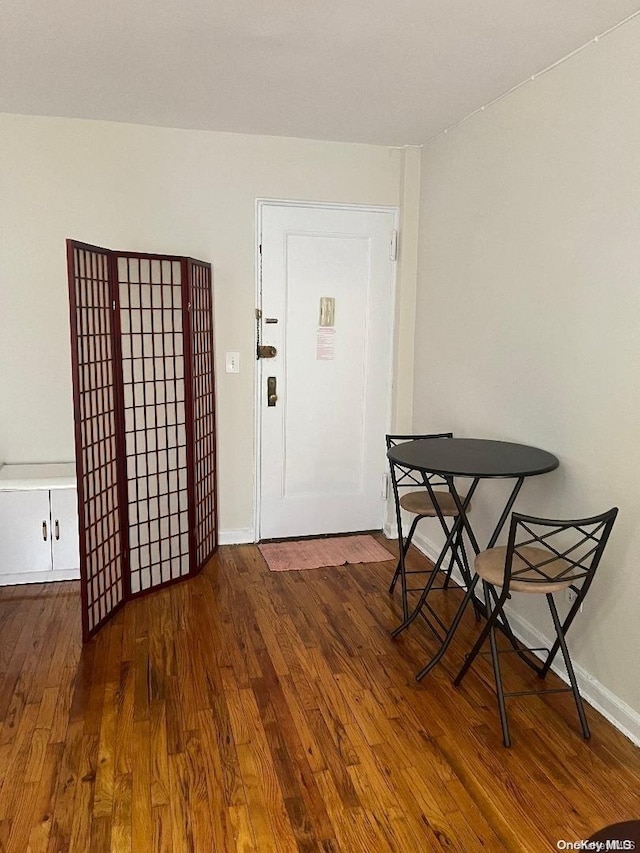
(327, 282)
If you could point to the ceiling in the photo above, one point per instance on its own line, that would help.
(395, 72)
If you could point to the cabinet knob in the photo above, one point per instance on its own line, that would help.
(57, 529)
(44, 530)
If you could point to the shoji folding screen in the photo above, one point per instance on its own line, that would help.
(142, 355)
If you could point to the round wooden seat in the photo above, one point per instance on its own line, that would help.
(420, 503)
(490, 566)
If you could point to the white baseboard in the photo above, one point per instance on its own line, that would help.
(390, 530)
(237, 536)
(52, 576)
(614, 709)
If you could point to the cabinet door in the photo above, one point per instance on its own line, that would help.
(25, 532)
(64, 528)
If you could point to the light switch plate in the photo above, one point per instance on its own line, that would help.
(232, 362)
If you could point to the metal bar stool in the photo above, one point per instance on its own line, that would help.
(423, 501)
(546, 557)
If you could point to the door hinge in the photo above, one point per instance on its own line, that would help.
(393, 246)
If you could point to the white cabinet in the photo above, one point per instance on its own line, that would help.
(38, 524)
(24, 532)
(65, 553)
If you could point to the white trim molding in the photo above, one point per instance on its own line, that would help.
(612, 708)
(260, 205)
(49, 576)
(237, 536)
(390, 530)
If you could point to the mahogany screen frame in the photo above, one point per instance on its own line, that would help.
(100, 568)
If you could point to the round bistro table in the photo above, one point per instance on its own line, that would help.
(475, 459)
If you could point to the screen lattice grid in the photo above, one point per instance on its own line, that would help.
(151, 321)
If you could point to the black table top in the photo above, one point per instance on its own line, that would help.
(473, 457)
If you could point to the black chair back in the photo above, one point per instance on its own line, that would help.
(542, 550)
(405, 478)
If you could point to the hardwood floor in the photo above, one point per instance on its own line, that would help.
(253, 711)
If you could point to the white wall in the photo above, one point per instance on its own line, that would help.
(147, 189)
(528, 316)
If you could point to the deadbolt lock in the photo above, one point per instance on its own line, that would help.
(271, 391)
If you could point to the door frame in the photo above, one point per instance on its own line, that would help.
(261, 204)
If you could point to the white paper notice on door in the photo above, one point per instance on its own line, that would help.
(325, 343)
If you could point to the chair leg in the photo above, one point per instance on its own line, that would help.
(450, 633)
(489, 629)
(492, 618)
(567, 660)
(459, 556)
(400, 569)
(457, 549)
(565, 627)
(519, 648)
(452, 561)
(495, 659)
(394, 580)
(466, 574)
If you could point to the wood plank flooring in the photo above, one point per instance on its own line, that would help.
(254, 711)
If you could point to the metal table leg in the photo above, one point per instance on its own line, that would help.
(451, 537)
(464, 522)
